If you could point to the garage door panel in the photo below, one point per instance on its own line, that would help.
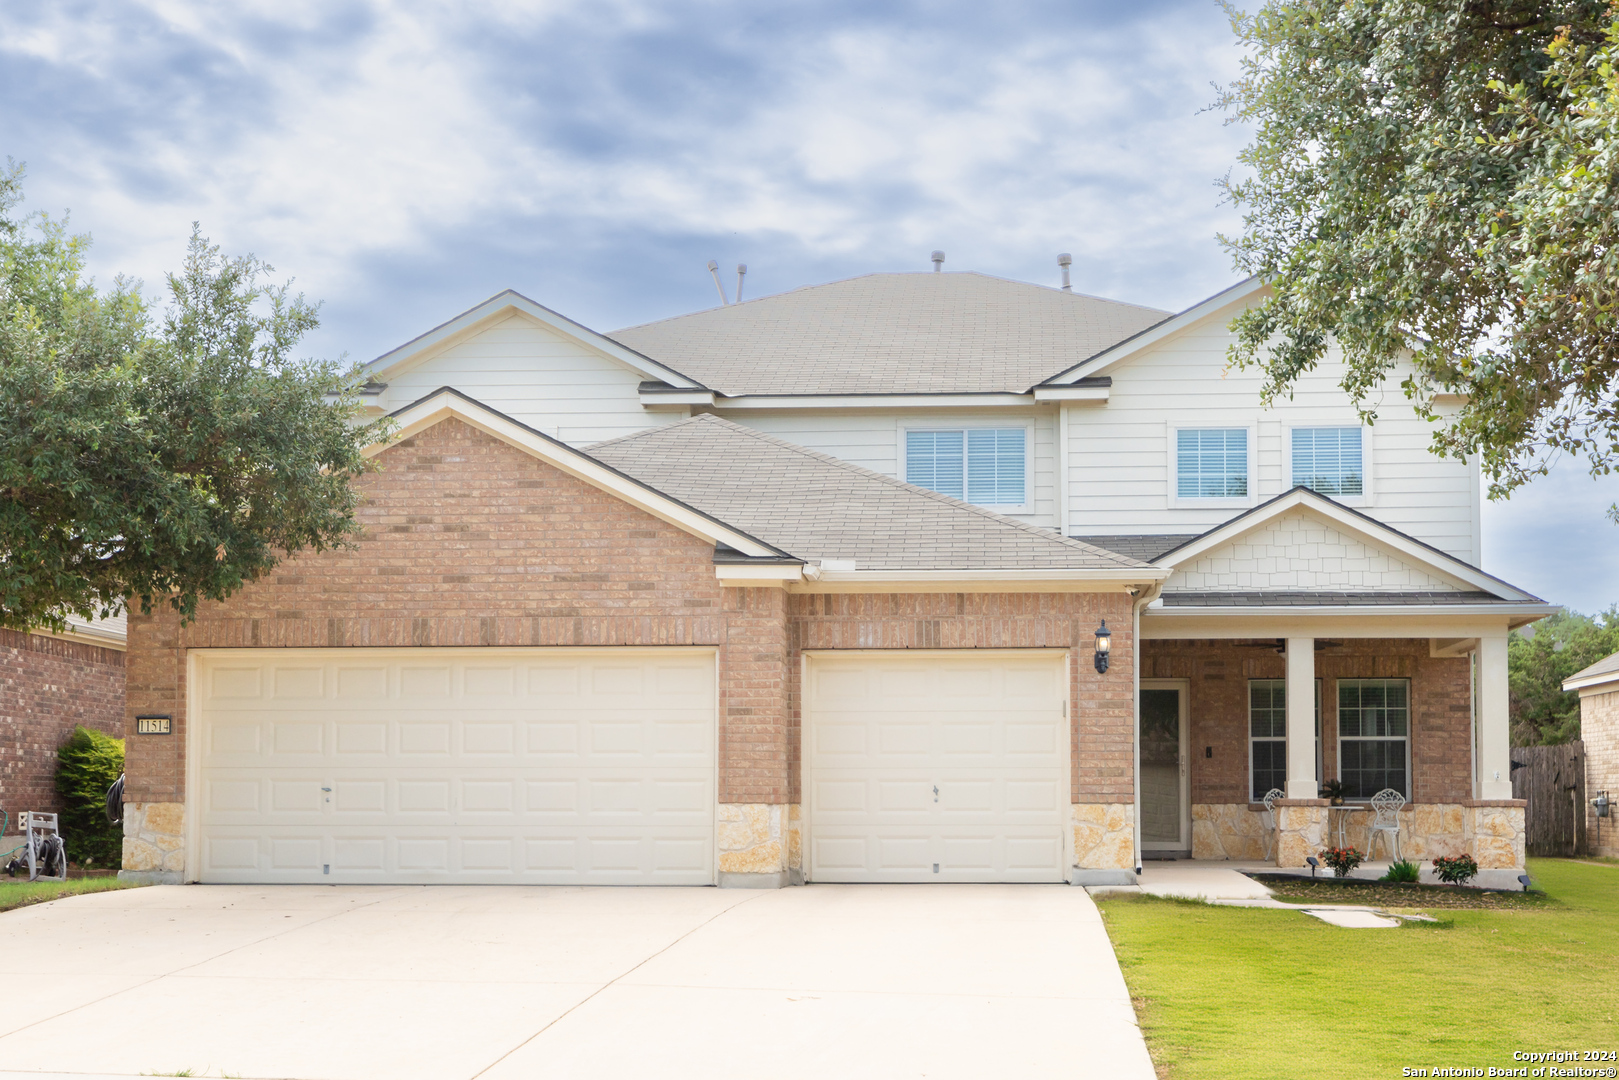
(954, 767)
(542, 766)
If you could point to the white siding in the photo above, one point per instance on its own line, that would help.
(1120, 452)
(537, 376)
(872, 439)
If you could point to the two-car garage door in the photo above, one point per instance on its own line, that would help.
(539, 766)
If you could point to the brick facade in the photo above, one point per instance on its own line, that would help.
(49, 686)
(1218, 672)
(1599, 730)
(468, 541)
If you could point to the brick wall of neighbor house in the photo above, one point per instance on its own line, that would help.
(1103, 725)
(1226, 824)
(469, 541)
(1599, 729)
(49, 686)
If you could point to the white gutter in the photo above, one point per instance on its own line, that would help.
(1070, 393)
(1057, 580)
(1382, 611)
(764, 574)
(1577, 683)
(873, 401)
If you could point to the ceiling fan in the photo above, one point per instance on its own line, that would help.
(1280, 645)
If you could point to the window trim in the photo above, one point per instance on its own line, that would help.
(1171, 453)
(1366, 456)
(1410, 733)
(957, 424)
(1248, 721)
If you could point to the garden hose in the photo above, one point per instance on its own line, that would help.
(5, 822)
(115, 801)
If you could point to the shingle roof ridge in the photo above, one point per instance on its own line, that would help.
(850, 467)
(875, 274)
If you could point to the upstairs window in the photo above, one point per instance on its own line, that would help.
(983, 466)
(1211, 463)
(1328, 460)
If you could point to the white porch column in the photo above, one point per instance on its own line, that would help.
(1494, 743)
(1301, 778)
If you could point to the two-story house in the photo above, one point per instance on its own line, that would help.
(909, 577)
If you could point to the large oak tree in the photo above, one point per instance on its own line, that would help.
(154, 456)
(1439, 178)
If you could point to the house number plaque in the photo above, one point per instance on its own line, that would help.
(152, 725)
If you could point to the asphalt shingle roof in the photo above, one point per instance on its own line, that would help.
(819, 507)
(891, 334)
(1606, 666)
(1147, 546)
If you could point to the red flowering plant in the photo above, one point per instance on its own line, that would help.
(1342, 859)
(1457, 870)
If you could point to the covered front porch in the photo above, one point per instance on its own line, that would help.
(1234, 708)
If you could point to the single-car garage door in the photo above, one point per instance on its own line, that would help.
(936, 766)
(534, 766)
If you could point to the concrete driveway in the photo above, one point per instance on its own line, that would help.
(825, 981)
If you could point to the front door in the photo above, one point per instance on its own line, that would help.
(1166, 812)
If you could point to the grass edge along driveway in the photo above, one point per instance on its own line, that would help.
(21, 893)
(1244, 992)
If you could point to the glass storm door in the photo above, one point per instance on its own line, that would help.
(1165, 804)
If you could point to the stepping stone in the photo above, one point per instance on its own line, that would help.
(1355, 920)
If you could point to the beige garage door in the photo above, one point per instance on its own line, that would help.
(534, 766)
(936, 766)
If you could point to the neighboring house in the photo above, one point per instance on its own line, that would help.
(816, 586)
(1598, 686)
(49, 685)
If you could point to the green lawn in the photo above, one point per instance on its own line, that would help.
(1242, 992)
(16, 894)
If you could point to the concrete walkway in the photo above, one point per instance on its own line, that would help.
(1220, 884)
(499, 983)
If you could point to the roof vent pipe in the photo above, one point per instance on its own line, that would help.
(938, 261)
(714, 269)
(741, 272)
(1065, 260)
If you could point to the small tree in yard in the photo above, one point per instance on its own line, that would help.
(1437, 181)
(147, 458)
(86, 766)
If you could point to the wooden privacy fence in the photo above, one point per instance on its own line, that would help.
(1552, 779)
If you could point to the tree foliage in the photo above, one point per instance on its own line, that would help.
(1539, 658)
(1439, 178)
(149, 456)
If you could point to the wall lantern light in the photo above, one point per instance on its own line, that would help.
(1104, 642)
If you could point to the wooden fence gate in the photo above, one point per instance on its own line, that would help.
(1552, 779)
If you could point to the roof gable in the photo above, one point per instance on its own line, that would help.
(499, 308)
(1115, 353)
(447, 402)
(921, 333)
(1301, 542)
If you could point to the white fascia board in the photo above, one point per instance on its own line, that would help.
(767, 574)
(425, 346)
(1071, 393)
(1364, 529)
(679, 399)
(87, 635)
(1095, 365)
(1493, 620)
(445, 404)
(1056, 580)
(874, 401)
(1606, 682)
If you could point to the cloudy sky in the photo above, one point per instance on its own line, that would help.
(403, 162)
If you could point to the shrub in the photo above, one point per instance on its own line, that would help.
(1457, 870)
(1403, 872)
(86, 766)
(1342, 859)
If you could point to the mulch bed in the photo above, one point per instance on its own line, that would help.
(1329, 890)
